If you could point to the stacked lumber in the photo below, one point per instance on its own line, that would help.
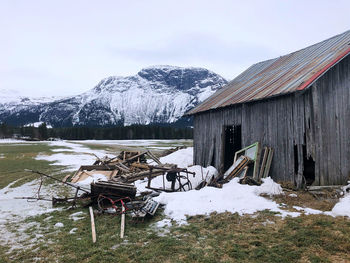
(236, 168)
(248, 159)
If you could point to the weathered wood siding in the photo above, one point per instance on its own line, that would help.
(318, 117)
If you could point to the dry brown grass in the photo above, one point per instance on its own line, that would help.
(306, 199)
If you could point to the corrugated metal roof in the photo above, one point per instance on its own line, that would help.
(286, 74)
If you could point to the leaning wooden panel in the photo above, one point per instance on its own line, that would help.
(253, 153)
(263, 164)
(268, 163)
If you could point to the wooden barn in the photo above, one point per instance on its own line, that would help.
(299, 104)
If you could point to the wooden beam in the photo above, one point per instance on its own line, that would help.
(122, 223)
(93, 230)
(263, 164)
(268, 163)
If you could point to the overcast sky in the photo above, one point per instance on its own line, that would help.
(66, 47)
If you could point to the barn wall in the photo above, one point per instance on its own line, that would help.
(318, 117)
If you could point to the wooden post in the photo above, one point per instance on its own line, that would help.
(93, 231)
(257, 162)
(122, 223)
(268, 163)
(263, 164)
(150, 178)
(300, 167)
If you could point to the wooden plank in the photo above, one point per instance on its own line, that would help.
(122, 223)
(93, 230)
(236, 167)
(268, 163)
(133, 157)
(321, 187)
(154, 158)
(253, 152)
(243, 173)
(263, 164)
(256, 163)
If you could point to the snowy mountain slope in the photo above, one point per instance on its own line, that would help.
(158, 94)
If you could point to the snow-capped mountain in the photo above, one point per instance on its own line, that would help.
(158, 94)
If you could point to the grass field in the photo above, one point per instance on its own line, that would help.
(226, 237)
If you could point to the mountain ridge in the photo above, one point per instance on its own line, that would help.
(156, 94)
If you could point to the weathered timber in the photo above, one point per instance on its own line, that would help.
(133, 157)
(268, 163)
(236, 168)
(142, 174)
(263, 163)
(154, 158)
(93, 230)
(122, 223)
(112, 190)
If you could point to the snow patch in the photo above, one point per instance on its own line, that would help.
(182, 158)
(78, 155)
(164, 223)
(342, 208)
(71, 161)
(77, 216)
(73, 230)
(14, 211)
(233, 197)
(59, 225)
(269, 187)
(16, 141)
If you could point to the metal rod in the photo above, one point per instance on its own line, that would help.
(34, 198)
(58, 180)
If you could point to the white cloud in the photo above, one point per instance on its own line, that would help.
(66, 47)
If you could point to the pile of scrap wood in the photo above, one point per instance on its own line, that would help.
(121, 171)
(245, 166)
(126, 167)
(129, 167)
(116, 192)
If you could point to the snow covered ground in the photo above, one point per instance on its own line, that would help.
(233, 197)
(138, 143)
(71, 155)
(342, 208)
(15, 141)
(13, 211)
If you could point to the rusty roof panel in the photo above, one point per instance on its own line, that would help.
(282, 75)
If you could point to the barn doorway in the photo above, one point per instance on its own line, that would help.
(309, 165)
(232, 142)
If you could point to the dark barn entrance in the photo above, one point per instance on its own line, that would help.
(232, 142)
(308, 166)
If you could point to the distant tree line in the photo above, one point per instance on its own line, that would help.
(97, 133)
(30, 132)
